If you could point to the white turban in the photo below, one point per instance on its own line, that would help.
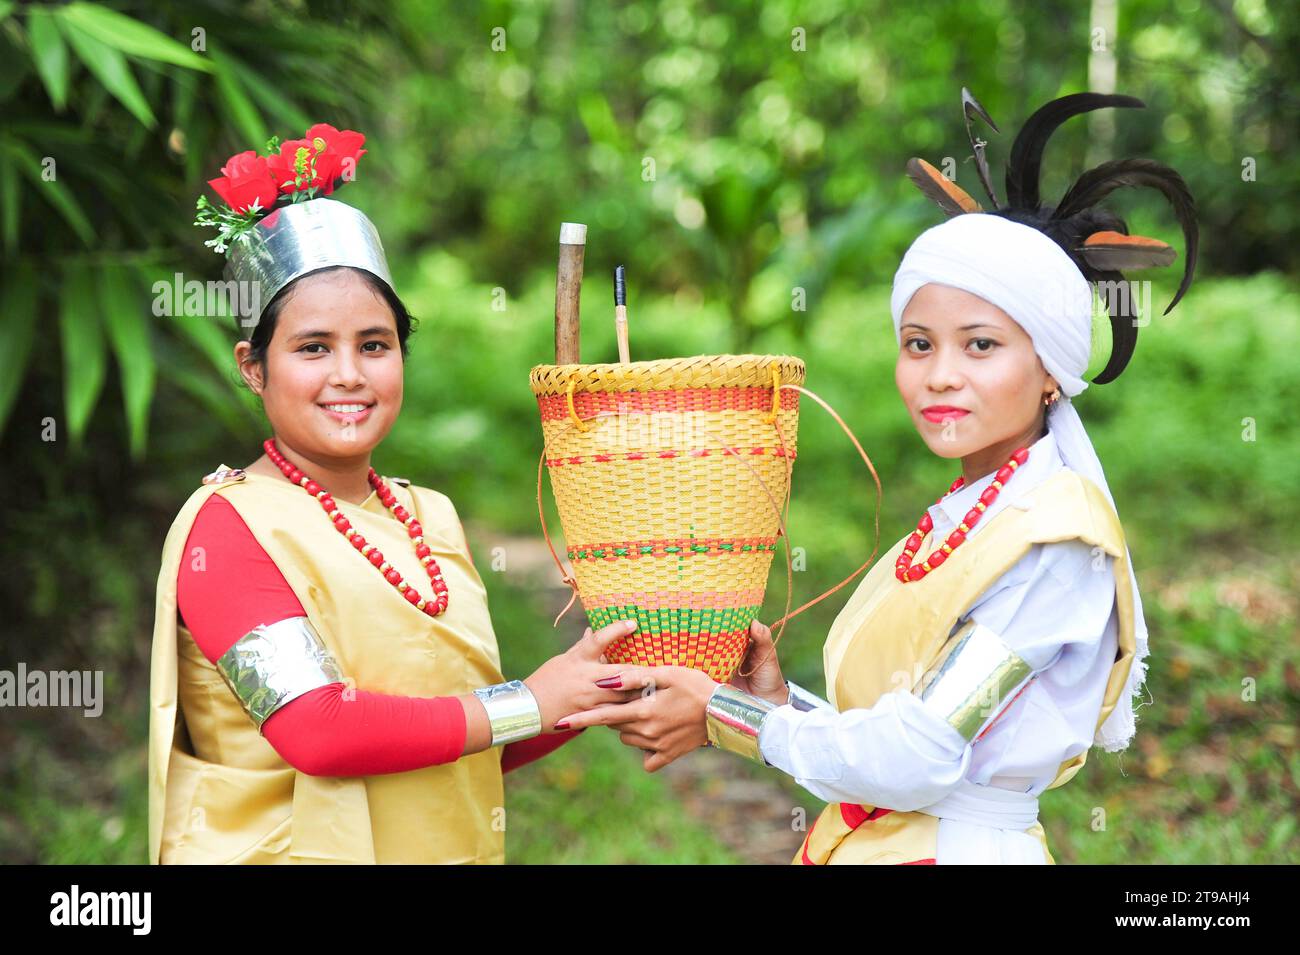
(1028, 276)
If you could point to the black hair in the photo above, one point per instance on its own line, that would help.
(265, 328)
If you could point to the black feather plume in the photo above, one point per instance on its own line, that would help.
(1076, 216)
(1099, 182)
(1027, 151)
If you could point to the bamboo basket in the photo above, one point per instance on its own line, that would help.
(670, 477)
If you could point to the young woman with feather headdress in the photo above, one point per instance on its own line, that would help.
(985, 654)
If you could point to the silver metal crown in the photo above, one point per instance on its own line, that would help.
(300, 238)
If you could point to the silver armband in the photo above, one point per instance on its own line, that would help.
(512, 711)
(275, 663)
(975, 673)
(802, 700)
(735, 719)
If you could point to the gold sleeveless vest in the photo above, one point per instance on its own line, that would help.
(218, 791)
(889, 634)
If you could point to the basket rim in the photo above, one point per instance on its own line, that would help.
(749, 371)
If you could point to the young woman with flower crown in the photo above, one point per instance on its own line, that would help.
(987, 651)
(326, 683)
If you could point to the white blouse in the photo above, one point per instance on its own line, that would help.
(1056, 608)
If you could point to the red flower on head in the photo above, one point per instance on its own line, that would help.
(338, 157)
(335, 153)
(245, 178)
(284, 166)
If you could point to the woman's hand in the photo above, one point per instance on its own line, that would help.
(668, 720)
(578, 680)
(765, 680)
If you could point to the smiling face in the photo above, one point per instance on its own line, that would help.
(963, 353)
(331, 384)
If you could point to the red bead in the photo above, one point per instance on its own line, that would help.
(955, 538)
(1021, 456)
(972, 517)
(375, 556)
(1004, 475)
(937, 558)
(990, 495)
(916, 573)
(913, 542)
(926, 525)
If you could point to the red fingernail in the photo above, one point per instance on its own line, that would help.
(610, 683)
(562, 725)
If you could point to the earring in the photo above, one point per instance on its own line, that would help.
(1051, 399)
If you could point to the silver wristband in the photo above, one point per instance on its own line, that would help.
(802, 700)
(512, 711)
(735, 720)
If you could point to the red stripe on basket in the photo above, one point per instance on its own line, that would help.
(778, 452)
(678, 599)
(920, 862)
(685, 543)
(587, 403)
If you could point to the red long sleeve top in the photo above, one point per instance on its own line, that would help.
(316, 733)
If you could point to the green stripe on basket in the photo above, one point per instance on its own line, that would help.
(677, 620)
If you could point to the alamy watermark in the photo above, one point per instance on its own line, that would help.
(198, 299)
(80, 688)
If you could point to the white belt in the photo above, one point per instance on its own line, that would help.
(986, 806)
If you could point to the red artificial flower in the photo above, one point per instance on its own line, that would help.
(244, 179)
(340, 154)
(336, 153)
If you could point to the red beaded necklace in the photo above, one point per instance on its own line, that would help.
(432, 607)
(904, 570)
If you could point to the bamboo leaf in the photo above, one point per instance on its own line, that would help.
(50, 54)
(84, 350)
(214, 338)
(272, 100)
(111, 69)
(132, 36)
(239, 108)
(126, 321)
(53, 190)
(185, 372)
(17, 332)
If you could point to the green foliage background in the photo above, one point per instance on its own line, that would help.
(725, 168)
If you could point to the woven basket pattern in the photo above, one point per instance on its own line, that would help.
(670, 497)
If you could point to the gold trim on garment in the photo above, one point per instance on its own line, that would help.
(972, 677)
(275, 663)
